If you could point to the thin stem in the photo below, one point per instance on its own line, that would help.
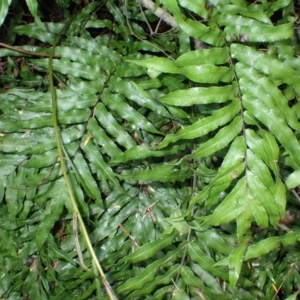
(108, 288)
(27, 51)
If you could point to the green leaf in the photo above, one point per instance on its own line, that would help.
(235, 263)
(206, 73)
(11, 195)
(165, 173)
(96, 158)
(89, 58)
(99, 135)
(193, 28)
(108, 57)
(252, 30)
(2, 188)
(203, 126)
(266, 246)
(59, 252)
(139, 281)
(53, 212)
(37, 32)
(235, 154)
(208, 279)
(200, 96)
(244, 220)
(117, 104)
(213, 56)
(172, 82)
(112, 126)
(280, 100)
(257, 166)
(133, 92)
(261, 86)
(277, 125)
(179, 294)
(40, 120)
(214, 241)
(33, 7)
(224, 176)
(144, 151)
(220, 140)
(99, 24)
(205, 261)
(116, 12)
(150, 84)
(229, 207)
(199, 8)
(272, 150)
(257, 210)
(280, 193)
(159, 64)
(67, 67)
(293, 297)
(189, 277)
(293, 180)
(264, 198)
(90, 185)
(157, 281)
(148, 250)
(9, 163)
(67, 100)
(254, 12)
(177, 221)
(4, 10)
(266, 64)
(256, 143)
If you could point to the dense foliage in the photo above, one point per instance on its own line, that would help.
(182, 148)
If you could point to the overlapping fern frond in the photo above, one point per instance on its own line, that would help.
(178, 162)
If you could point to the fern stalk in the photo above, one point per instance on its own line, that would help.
(61, 152)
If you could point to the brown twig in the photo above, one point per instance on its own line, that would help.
(159, 12)
(284, 279)
(28, 52)
(127, 233)
(149, 210)
(77, 245)
(40, 183)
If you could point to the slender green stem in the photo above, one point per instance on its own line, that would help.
(59, 143)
